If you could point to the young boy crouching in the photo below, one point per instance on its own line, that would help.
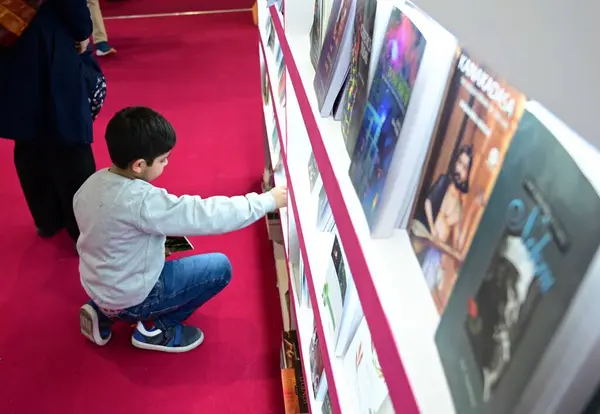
(124, 221)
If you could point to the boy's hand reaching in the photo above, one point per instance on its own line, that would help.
(280, 196)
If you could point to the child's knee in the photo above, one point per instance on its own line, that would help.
(225, 266)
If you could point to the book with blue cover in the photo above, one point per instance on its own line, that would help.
(532, 251)
(389, 96)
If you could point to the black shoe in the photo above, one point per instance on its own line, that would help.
(46, 234)
(180, 338)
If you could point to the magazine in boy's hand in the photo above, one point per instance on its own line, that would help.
(178, 244)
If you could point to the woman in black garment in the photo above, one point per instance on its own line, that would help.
(45, 109)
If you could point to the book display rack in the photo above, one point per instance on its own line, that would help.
(425, 260)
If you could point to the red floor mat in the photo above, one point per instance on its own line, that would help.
(134, 7)
(202, 73)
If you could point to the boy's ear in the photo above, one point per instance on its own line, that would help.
(138, 166)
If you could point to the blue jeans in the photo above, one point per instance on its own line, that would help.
(183, 286)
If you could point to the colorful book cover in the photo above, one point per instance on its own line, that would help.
(316, 363)
(477, 123)
(290, 340)
(358, 78)
(536, 240)
(332, 51)
(389, 97)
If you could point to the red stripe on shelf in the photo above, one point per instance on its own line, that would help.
(395, 375)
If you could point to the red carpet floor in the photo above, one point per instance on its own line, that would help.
(202, 73)
(135, 7)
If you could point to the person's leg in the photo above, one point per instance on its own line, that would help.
(71, 166)
(40, 192)
(99, 34)
(184, 285)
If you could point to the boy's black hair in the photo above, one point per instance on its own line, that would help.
(138, 133)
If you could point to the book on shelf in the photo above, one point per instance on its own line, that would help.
(333, 290)
(358, 76)
(411, 77)
(324, 214)
(281, 88)
(292, 381)
(385, 111)
(477, 123)
(334, 60)
(326, 406)
(313, 172)
(340, 298)
(319, 27)
(265, 84)
(340, 101)
(318, 379)
(517, 335)
(298, 402)
(364, 373)
(271, 35)
(276, 160)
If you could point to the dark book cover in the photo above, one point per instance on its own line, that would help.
(389, 97)
(316, 34)
(538, 235)
(316, 362)
(326, 407)
(358, 78)
(328, 71)
(477, 122)
(177, 244)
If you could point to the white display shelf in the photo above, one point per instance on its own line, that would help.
(314, 248)
(269, 58)
(397, 304)
(304, 316)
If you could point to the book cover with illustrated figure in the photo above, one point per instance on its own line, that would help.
(389, 97)
(477, 123)
(364, 372)
(318, 381)
(532, 250)
(334, 60)
(358, 78)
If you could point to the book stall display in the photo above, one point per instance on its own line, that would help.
(439, 248)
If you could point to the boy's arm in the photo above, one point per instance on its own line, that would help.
(165, 214)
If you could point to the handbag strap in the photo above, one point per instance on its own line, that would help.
(15, 16)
